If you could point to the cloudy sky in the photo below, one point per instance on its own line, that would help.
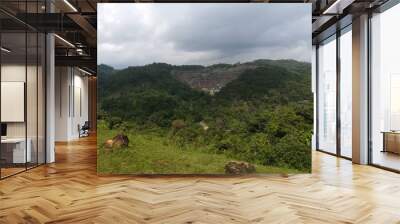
(138, 34)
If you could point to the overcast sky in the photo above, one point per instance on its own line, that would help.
(139, 34)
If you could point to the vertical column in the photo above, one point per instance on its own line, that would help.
(338, 91)
(360, 89)
(316, 99)
(50, 92)
(314, 91)
(92, 100)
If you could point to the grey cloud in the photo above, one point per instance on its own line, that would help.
(137, 34)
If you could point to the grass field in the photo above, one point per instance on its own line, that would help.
(152, 154)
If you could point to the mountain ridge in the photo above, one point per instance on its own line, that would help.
(212, 78)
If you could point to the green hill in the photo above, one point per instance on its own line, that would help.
(260, 112)
(268, 80)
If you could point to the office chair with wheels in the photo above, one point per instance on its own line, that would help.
(84, 130)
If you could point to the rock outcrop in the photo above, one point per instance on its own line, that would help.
(211, 79)
(235, 167)
(119, 141)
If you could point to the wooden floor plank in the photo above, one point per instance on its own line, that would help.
(70, 191)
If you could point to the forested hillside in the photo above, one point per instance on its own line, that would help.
(261, 113)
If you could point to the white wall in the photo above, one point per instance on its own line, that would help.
(9, 73)
(16, 73)
(62, 82)
(80, 110)
(71, 94)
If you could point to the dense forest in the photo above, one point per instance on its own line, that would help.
(260, 112)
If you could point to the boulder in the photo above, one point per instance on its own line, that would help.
(119, 141)
(108, 143)
(235, 167)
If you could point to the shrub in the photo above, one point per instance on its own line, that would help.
(114, 122)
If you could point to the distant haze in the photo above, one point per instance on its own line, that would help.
(202, 34)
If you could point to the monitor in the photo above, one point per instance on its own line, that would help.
(3, 129)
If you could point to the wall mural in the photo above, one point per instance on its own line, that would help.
(204, 88)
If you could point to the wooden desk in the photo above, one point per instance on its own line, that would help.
(391, 141)
(13, 150)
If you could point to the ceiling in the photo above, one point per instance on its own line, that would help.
(75, 21)
(332, 15)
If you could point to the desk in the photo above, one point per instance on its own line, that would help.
(14, 150)
(391, 141)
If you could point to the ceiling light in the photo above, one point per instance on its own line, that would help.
(337, 7)
(331, 7)
(86, 72)
(70, 5)
(79, 51)
(5, 50)
(65, 41)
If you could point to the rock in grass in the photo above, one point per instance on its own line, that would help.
(119, 141)
(235, 167)
(108, 144)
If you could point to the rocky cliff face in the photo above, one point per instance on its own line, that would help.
(211, 79)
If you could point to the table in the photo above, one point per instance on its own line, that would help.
(13, 150)
(391, 141)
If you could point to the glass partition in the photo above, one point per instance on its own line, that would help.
(22, 88)
(385, 89)
(346, 92)
(327, 95)
(13, 94)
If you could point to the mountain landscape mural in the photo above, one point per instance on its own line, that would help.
(252, 117)
(209, 88)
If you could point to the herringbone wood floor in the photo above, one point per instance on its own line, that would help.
(69, 191)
